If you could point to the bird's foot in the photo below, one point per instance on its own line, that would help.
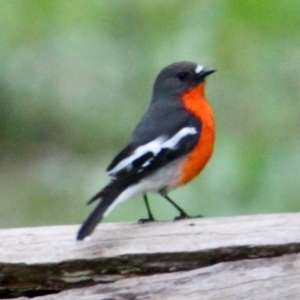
(146, 220)
(183, 216)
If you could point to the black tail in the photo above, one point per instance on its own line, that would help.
(107, 195)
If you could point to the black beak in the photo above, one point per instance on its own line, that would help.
(206, 72)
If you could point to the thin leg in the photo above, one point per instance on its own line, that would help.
(150, 216)
(183, 214)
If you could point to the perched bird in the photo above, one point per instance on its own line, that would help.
(169, 147)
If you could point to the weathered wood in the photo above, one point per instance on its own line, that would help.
(34, 261)
(260, 279)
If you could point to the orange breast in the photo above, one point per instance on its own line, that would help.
(196, 103)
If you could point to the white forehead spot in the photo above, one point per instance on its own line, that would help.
(198, 69)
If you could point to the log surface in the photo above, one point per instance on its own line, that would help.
(214, 258)
(259, 279)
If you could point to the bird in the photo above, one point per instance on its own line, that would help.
(168, 148)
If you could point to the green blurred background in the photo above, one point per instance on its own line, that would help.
(76, 76)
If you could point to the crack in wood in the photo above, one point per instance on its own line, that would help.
(31, 280)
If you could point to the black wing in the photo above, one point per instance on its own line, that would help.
(160, 122)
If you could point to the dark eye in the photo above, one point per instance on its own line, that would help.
(182, 75)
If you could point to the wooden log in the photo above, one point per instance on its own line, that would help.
(258, 279)
(211, 258)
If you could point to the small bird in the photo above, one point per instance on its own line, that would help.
(169, 147)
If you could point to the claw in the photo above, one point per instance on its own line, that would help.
(148, 220)
(185, 216)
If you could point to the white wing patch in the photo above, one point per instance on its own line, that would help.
(155, 147)
(173, 142)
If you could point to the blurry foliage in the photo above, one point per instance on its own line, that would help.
(76, 76)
